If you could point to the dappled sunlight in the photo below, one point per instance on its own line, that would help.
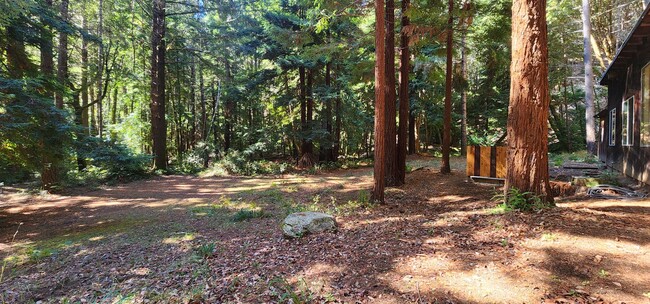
(481, 282)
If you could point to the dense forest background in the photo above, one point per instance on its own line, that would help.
(253, 87)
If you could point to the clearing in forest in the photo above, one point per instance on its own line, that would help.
(186, 239)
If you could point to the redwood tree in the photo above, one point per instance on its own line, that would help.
(380, 103)
(446, 132)
(527, 129)
(391, 96)
(404, 68)
(158, 123)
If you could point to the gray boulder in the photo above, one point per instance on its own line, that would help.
(301, 223)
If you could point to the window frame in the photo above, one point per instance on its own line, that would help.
(612, 127)
(627, 120)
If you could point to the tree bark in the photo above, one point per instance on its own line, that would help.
(84, 79)
(62, 59)
(391, 98)
(404, 106)
(463, 66)
(411, 145)
(158, 123)
(100, 69)
(527, 156)
(380, 103)
(590, 125)
(446, 137)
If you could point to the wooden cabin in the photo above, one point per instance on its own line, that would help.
(624, 138)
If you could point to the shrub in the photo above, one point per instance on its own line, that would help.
(115, 159)
(521, 201)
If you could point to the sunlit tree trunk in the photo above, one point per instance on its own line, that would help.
(527, 129)
(404, 106)
(158, 123)
(446, 137)
(380, 102)
(590, 125)
(391, 98)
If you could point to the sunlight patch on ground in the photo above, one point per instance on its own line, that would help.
(479, 283)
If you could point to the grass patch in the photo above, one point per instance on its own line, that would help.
(247, 214)
(36, 252)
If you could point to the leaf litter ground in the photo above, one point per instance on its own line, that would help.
(185, 239)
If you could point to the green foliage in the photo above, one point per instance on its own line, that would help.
(284, 292)
(516, 200)
(205, 250)
(114, 160)
(244, 163)
(246, 214)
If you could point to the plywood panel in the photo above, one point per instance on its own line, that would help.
(501, 162)
(485, 161)
(470, 160)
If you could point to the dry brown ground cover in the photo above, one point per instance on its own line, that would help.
(184, 239)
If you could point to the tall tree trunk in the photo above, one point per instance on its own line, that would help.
(228, 112)
(114, 109)
(446, 137)
(62, 59)
(158, 123)
(590, 125)
(192, 138)
(84, 79)
(463, 67)
(47, 55)
(327, 150)
(100, 70)
(412, 130)
(404, 106)
(391, 100)
(204, 115)
(337, 131)
(380, 103)
(527, 129)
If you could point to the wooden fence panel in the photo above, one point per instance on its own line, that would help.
(486, 161)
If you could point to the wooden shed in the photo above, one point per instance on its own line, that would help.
(624, 141)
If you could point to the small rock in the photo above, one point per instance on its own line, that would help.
(617, 284)
(598, 259)
(301, 223)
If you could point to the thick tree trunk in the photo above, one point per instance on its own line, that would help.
(62, 59)
(446, 137)
(204, 115)
(391, 98)
(380, 103)
(590, 125)
(527, 129)
(404, 107)
(158, 123)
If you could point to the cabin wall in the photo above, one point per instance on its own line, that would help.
(634, 160)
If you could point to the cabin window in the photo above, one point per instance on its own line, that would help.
(627, 122)
(645, 106)
(612, 127)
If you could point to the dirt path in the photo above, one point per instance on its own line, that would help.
(179, 239)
